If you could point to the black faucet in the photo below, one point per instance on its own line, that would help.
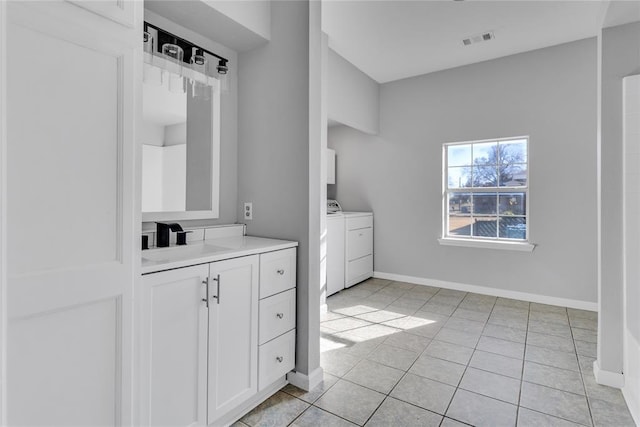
(162, 233)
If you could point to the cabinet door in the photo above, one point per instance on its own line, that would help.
(72, 225)
(233, 334)
(177, 366)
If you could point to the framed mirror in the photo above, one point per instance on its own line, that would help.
(180, 137)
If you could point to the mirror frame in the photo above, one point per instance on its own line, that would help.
(214, 213)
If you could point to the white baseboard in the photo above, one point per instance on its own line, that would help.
(633, 403)
(306, 382)
(496, 292)
(631, 389)
(608, 378)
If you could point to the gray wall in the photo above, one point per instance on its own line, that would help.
(273, 144)
(353, 96)
(229, 125)
(549, 94)
(620, 58)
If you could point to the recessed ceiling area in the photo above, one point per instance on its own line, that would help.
(391, 40)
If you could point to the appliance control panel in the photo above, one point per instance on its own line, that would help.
(333, 206)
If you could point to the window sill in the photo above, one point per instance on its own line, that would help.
(488, 244)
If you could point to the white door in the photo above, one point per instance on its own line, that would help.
(177, 366)
(72, 222)
(631, 203)
(233, 334)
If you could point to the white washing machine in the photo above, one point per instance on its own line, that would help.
(349, 249)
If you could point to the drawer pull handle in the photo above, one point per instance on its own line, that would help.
(279, 359)
(279, 315)
(280, 272)
(217, 280)
(206, 283)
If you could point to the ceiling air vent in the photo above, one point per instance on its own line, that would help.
(478, 38)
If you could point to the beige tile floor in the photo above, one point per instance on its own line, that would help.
(398, 354)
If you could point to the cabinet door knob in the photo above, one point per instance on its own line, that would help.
(279, 315)
(279, 359)
(280, 272)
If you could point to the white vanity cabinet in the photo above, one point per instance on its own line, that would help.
(178, 369)
(221, 337)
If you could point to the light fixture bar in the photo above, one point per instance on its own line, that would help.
(167, 37)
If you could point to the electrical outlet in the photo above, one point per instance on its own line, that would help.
(248, 210)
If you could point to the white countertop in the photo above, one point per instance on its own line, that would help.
(205, 251)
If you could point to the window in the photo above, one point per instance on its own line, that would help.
(486, 190)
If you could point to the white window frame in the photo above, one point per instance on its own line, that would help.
(484, 242)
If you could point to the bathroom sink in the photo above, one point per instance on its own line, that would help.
(180, 253)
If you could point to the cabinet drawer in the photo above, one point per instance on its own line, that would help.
(359, 269)
(277, 315)
(360, 222)
(276, 358)
(277, 272)
(360, 243)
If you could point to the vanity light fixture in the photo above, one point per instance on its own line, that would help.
(199, 63)
(197, 52)
(198, 59)
(222, 67)
(174, 53)
(150, 73)
(222, 74)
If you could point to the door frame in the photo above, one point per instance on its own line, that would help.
(630, 348)
(3, 212)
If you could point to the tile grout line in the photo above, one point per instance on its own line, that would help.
(365, 357)
(474, 348)
(555, 416)
(524, 356)
(553, 388)
(313, 404)
(457, 387)
(403, 376)
(406, 293)
(586, 393)
(301, 413)
(469, 366)
(407, 372)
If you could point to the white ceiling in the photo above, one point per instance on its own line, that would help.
(392, 39)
